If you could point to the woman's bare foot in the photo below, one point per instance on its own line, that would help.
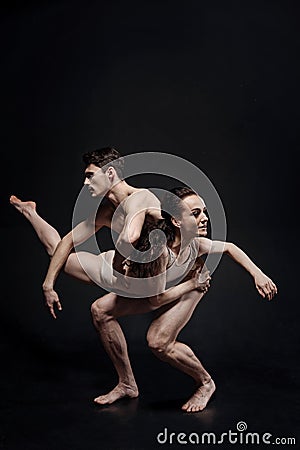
(25, 208)
(199, 400)
(118, 392)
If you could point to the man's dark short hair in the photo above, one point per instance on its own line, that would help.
(106, 156)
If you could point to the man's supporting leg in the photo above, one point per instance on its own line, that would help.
(162, 335)
(105, 312)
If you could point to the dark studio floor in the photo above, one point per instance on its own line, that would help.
(47, 401)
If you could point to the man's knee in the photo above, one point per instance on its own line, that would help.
(159, 343)
(99, 311)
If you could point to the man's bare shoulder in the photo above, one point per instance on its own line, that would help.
(142, 198)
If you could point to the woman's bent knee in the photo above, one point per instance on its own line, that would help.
(74, 268)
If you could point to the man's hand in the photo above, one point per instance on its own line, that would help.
(265, 286)
(120, 280)
(118, 264)
(52, 299)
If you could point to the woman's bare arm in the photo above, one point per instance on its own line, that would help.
(174, 292)
(265, 286)
(199, 280)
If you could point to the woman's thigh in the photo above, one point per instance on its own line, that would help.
(84, 267)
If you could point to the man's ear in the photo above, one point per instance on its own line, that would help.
(175, 222)
(110, 172)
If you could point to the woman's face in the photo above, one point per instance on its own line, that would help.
(195, 213)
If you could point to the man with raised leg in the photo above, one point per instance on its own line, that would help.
(171, 318)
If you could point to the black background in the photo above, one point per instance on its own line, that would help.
(216, 83)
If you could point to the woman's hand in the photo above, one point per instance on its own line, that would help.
(265, 286)
(202, 279)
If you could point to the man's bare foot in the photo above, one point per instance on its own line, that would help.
(25, 208)
(118, 392)
(199, 400)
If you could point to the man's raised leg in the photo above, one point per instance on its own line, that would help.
(49, 238)
(162, 335)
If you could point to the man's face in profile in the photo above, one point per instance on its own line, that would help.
(96, 180)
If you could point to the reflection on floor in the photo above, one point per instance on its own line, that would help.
(47, 403)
